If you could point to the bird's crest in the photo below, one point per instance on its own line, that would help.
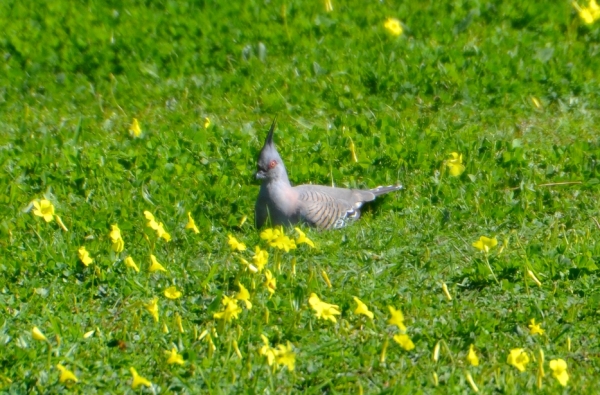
(269, 139)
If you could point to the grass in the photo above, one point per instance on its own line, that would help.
(511, 87)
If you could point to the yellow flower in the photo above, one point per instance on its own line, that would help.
(206, 122)
(231, 310)
(271, 282)
(152, 308)
(138, 380)
(244, 296)
(362, 308)
(172, 293)
(135, 129)
(455, 165)
(267, 350)
(130, 263)
(43, 208)
(397, 318)
(115, 237)
(281, 355)
(283, 243)
(66, 375)
(485, 244)
(158, 227)
(151, 220)
(518, 358)
(162, 233)
(84, 256)
(559, 371)
(156, 266)
(174, 357)
(472, 357)
(270, 234)
(404, 341)
(235, 244)
(394, 26)
(589, 14)
(323, 310)
(260, 258)
(536, 329)
(37, 334)
(192, 224)
(303, 239)
(285, 356)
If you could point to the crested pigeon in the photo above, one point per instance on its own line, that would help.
(320, 206)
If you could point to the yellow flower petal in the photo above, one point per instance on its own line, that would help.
(138, 380)
(231, 310)
(152, 308)
(323, 310)
(362, 308)
(455, 165)
(397, 318)
(172, 293)
(37, 334)
(472, 357)
(404, 341)
(303, 239)
(43, 208)
(518, 358)
(130, 263)
(192, 224)
(394, 26)
(559, 371)
(156, 266)
(285, 356)
(174, 357)
(66, 375)
(260, 258)
(485, 243)
(84, 256)
(536, 329)
(270, 282)
(135, 129)
(235, 244)
(244, 296)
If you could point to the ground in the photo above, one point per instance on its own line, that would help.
(486, 112)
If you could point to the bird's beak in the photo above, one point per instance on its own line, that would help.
(261, 175)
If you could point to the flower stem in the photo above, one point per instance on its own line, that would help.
(491, 270)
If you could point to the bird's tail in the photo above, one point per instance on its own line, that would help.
(383, 190)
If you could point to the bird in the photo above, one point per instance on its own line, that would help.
(318, 206)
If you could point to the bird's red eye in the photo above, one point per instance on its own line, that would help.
(272, 164)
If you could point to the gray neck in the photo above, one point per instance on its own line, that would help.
(281, 177)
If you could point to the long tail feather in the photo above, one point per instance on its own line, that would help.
(383, 190)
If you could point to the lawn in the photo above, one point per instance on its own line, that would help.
(129, 132)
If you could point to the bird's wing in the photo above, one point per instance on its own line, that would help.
(327, 208)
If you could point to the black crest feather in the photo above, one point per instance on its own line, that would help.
(269, 140)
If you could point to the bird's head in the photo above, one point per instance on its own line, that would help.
(270, 165)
